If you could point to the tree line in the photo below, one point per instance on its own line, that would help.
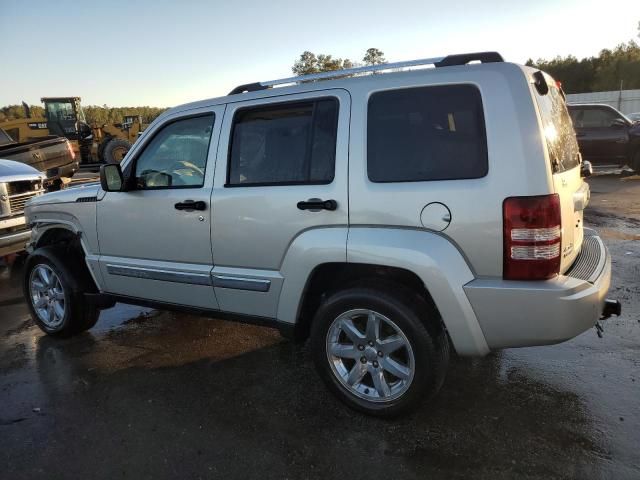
(94, 114)
(309, 62)
(610, 70)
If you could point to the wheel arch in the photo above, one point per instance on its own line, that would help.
(68, 236)
(426, 262)
(328, 278)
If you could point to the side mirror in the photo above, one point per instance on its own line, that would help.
(111, 179)
(618, 123)
(586, 169)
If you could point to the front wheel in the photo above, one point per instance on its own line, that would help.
(380, 350)
(54, 289)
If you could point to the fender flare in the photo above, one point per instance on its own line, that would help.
(431, 256)
(40, 225)
(441, 267)
(308, 250)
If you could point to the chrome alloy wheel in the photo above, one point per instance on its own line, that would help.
(47, 295)
(370, 356)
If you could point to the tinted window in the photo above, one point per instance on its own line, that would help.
(427, 133)
(557, 128)
(177, 155)
(284, 144)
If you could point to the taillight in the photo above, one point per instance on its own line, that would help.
(532, 237)
(71, 152)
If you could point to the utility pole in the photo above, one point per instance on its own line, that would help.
(620, 96)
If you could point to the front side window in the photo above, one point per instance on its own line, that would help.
(426, 133)
(177, 155)
(284, 144)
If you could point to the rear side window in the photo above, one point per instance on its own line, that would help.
(593, 117)
(284, 144)
(558, 129)
(426, 133)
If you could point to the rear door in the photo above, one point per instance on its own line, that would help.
(278, 158)
(564, 156)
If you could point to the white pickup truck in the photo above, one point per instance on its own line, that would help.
(18, 184)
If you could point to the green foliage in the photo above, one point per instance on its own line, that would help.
(15, 112)
(374, 57)
(94, 114)
(101, 115)
(596, 74)
(309, 62)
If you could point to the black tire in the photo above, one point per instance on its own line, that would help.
(79, 314)
(115, 150)
(101, 146)
(418, 321)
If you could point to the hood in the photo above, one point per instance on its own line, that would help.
(11, 171)
(85, 193)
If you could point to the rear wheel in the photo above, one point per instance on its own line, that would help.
(115, 150)
(55, 294)
(380, 350)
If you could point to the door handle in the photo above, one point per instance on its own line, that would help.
(191, 205)
(315, 204)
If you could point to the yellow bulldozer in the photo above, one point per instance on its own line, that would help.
(64, 117)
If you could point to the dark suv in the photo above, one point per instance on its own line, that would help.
(606, 136)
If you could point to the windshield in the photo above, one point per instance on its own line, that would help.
(60, 111)
(558, 129)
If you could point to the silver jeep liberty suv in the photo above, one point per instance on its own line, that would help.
(387, 218)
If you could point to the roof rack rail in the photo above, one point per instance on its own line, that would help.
(448, 61)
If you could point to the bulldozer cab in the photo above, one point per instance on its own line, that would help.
(63, 115)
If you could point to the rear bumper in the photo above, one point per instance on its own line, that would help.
(62, 171)
(13, 242)
(520, 314)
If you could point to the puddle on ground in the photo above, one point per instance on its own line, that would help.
(128, 336)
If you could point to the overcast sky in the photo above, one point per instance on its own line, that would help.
(163, 53)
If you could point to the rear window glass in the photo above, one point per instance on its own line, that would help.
(426, 133)
(558, 129)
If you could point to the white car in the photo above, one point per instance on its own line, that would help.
(383, 216)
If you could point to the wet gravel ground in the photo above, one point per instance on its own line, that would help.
(148, 394)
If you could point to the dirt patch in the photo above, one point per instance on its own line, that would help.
(617, 234)
(605, 218)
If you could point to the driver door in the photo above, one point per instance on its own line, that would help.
(155, 238)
